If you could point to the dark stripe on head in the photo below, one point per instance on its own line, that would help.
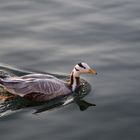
(80, 65)
(76, 69)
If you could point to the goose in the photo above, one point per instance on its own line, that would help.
(44, 87)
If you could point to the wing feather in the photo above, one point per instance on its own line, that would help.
(49, 87)
(38, 76)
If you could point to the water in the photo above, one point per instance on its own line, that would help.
(54, 35)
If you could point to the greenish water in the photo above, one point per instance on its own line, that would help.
(52, 36)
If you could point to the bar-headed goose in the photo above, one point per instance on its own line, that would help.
(42, 87)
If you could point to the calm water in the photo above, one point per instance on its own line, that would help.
(52, 36)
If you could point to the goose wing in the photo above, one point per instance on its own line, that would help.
(38, 76)
(48, 87)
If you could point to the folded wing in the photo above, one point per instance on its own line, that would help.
(23, 86)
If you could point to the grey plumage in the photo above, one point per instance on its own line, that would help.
(46, 86)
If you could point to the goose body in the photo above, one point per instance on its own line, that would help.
(42, 87)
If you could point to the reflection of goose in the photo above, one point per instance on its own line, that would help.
(41, 87)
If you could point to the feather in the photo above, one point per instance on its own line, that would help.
(43, 85)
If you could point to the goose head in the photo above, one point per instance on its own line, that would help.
(83, 68)
(80, 68)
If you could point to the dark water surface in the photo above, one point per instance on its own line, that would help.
(52, 36)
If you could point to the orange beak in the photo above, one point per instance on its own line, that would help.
(92, 71)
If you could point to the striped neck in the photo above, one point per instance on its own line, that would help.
(74, 81)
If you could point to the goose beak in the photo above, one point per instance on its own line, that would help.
(92, 71)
